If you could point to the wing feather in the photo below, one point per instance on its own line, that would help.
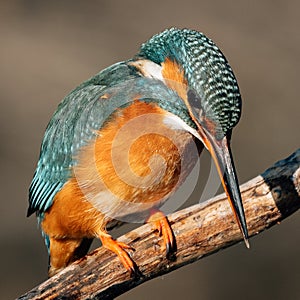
(73, 125)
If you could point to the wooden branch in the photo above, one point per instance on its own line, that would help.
(200, 230)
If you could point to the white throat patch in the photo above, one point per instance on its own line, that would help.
(174, 122)
(148, 69)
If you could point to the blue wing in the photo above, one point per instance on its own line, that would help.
(72, 126)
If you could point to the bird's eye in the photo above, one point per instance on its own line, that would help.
(195, 103)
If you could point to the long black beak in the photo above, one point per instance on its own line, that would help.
(221, 153)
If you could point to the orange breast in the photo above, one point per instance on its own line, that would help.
(136, 159)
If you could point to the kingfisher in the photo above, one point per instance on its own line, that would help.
(119, 145)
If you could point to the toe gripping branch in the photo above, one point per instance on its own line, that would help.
(120, 248)
(160, 223)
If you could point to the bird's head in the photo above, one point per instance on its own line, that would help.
(192, 65)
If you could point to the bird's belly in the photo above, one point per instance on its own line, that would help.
(138, 179)
(134, 165)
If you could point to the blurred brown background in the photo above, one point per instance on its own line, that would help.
(49, 47)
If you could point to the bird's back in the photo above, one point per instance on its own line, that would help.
(74, 124)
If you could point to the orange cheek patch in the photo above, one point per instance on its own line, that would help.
(210, 125)
(174, 77)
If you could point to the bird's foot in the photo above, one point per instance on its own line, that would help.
(162, 225)
(120, 248)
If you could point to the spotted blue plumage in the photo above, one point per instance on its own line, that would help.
(208, 73)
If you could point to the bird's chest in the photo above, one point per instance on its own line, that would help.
(136, 159)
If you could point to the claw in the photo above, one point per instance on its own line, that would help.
(119, 248)
(162, 225)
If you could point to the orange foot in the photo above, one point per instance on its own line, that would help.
(119, 248)
(162, 225)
